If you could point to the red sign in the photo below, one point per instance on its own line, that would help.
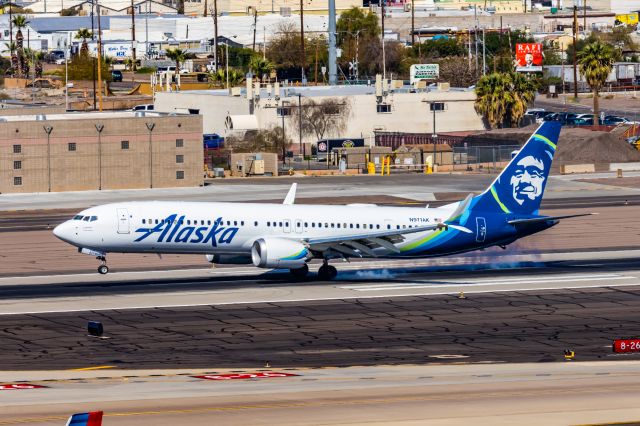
(626, 345)
(20, 386)
(529, 57)
(244, 376)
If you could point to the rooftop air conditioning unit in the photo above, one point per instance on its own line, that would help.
(285, 11)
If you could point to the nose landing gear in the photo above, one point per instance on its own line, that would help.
(103, 269)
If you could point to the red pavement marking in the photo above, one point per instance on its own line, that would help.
(244, 376)
(20, 386)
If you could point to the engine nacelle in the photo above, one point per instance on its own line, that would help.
(228, 259)
(279, 253)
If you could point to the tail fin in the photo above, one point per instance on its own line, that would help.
(93, 418)
(519, 188)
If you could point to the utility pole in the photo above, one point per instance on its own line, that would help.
(302, 52)
(93, 58)
(484, 54)
(10, 23)
(255, 27)
(206, 9)
(413, 23)
(575, 48)
(215, 34)
(99, 59)
(133, 37)
(384, 58)
(333, 69)
(584, 16)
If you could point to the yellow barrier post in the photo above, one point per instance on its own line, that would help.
(371, 168)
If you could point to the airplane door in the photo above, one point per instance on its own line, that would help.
(123, 221)
(298, 226)
(286, 226)
(481, 229)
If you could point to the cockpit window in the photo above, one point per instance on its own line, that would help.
(78, 217)
(86, 218)
(94, 218)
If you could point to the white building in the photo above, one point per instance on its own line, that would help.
(401, 110)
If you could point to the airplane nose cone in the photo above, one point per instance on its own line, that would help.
(63, 232)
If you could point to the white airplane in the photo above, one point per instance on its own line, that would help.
(289, 236)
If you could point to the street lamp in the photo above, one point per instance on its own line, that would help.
(99, 128)
(150, 127)
(48, 130)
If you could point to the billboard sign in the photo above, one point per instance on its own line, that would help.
(529, 57)
(424, 72)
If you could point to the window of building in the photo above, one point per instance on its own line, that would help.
(17, 165)
(284, 111)
(383, 108)
(17, 180)
(72, 146)
(179, 158)
(437, 106)
(124, 144)
(180, 174)
(17, 149)
(179, 143)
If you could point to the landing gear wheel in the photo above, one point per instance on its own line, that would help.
(327, 272)
(299, 273)
(103, 269)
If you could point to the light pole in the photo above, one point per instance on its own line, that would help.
(226, 58)
(99, 128)
(300, 123)
(150, 127)
(66, 73)
(48, 130)
(434, 135)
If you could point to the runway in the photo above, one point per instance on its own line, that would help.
(370, 316)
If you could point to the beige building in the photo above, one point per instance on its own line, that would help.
(88, 151)
(394, 109)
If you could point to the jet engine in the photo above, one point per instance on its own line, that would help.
(228, 259)
(279, 253)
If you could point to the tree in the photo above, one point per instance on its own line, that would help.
(595, 62)
(219, 78)
(11, 47)
(84, 34)
(260, 66)
(458, 72)
(177, 55)
(38, 57)
(504, 97)
(322, 118)
(353, 28)
(266, 140)
(20, 21)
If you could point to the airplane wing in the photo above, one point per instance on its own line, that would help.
(545, 219)
(356, 245)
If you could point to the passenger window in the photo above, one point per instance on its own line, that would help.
(351, 225)
(188, 222)
(242, 223)
(208, 222)
(313, 224)
(144, 221)
(377, 226)
(157, 221)
(388, 226)
(357, 225)
(268, 223)
(255, 223)
(235, 223)
(397, 226)
(228, 222)
(338, 225)
(280, 224)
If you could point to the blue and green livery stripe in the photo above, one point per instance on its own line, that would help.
(495, 196)
(299, 255)
(425, 240)
(545, 140)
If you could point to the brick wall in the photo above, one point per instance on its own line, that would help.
(76, 157)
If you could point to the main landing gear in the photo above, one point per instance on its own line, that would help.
(300, 273)
(103, 269)
(327, 272)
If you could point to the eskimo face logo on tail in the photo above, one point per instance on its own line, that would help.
(171, 230)
(527, 181)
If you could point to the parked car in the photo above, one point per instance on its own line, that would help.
(116, 75)
(54, 56)
(143, 107)
(577, 121)
(614, 120)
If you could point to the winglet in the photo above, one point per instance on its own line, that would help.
(291, 195)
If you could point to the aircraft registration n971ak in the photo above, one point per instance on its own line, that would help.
(289, 236)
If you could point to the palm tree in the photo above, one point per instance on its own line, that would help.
(522, 93)
(177, 55)
(504, 97)
(19, 21)
(11, 47)
(596, 61)
(260, 66)
(38, 57)
(491, 97)
(84, 34)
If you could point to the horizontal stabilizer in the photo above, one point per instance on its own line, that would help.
(545, 219)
